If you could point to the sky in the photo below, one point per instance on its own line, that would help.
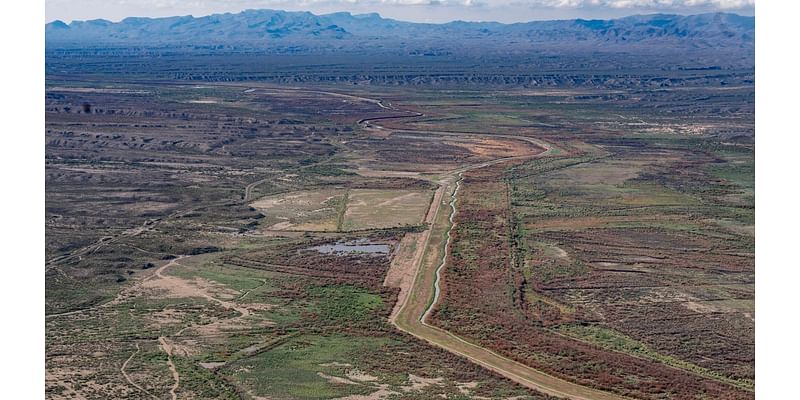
(407, 10)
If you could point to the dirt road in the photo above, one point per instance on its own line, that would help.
(248, 191)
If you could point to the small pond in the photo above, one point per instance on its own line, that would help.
(356, 246)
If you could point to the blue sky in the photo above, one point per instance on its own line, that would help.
(409, 10)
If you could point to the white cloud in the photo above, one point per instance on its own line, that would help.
(722, 4)
(666, 4)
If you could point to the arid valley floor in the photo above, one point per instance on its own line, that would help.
(321, 240)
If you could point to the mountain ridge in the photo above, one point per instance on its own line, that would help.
(266, 28)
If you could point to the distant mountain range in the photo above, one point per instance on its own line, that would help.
(272, 28)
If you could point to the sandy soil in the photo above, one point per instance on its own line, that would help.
(419, 383)
(360, 376)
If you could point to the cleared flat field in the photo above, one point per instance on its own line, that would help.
(312, 210)
(378, 208)
(344, 209)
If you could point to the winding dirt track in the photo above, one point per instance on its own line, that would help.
(248, 191)
(167, 347)
(128, 378)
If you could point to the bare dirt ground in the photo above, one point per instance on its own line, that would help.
(344, 210)
(377, 208)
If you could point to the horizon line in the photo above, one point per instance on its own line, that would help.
(402, 20)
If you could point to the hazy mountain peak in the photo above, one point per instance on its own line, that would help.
(266, 27)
